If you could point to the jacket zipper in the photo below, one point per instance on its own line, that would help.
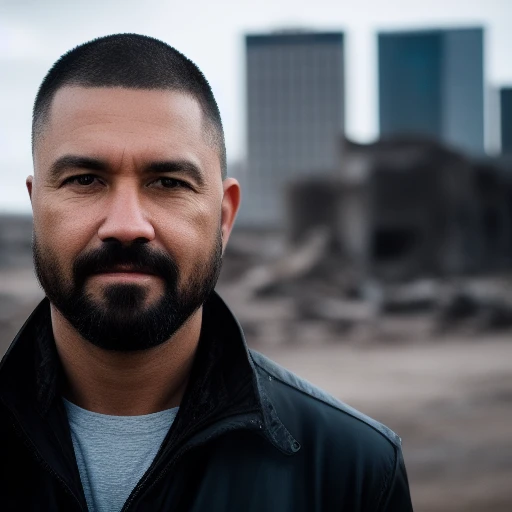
(44, 464)
(255, 425)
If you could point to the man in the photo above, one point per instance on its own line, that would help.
(131, 387)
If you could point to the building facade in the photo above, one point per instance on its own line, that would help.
(432, 83)
(295, 117)
(506, 120)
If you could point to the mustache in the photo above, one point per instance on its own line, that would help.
(112, 254)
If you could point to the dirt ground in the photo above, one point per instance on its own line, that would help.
(450, 402)
(449, 399)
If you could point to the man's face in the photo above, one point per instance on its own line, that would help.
(130, 212)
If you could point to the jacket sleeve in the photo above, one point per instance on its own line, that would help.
(397, 497)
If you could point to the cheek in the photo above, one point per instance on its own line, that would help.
(61, 233)
(189, 235)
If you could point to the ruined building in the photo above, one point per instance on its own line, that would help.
(403, 208)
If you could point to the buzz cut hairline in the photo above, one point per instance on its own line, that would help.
(130, 61)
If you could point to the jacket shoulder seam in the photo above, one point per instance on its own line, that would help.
(303, 386)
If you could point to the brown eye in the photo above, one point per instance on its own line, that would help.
(171, 183)
(84, 180)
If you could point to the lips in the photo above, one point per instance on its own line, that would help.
(125, 269)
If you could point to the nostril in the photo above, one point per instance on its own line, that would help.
(111, 240)
(116, 241)
(141, 240)
(126, 228)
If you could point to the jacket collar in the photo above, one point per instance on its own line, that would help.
(223, 383)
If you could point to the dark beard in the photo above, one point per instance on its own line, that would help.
(121, 321)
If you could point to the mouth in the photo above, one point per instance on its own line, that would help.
(124, 273)
(125, 269)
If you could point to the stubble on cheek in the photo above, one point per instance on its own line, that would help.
(47, 266)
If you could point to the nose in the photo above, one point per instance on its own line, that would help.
(125, 219)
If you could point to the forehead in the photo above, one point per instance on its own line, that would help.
(101, 119)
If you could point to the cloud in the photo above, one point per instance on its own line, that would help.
(20, 42)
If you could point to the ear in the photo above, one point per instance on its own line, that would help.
(230, 205)
(29, 183)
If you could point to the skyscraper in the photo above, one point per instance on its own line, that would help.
(506, 120)
(295, 116)
(432, 83)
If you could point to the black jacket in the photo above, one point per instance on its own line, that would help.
(249, 437)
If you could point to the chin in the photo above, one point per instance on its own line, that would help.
(122, 297)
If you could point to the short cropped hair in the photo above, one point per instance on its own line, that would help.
(135, 62)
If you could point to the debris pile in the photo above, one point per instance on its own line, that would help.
(304, 292)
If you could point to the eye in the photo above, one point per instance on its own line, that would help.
(83, 180)
(167, 182)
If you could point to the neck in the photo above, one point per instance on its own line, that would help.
(126, 384)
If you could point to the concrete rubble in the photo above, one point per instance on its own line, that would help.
(406, 230)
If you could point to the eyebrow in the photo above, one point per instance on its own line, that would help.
(75, 162)
(95, 164)
(177, 167)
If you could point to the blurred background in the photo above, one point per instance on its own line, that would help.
(373, 250)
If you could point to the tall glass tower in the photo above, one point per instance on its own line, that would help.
(295, 116)
(506, 120)
(432, 83)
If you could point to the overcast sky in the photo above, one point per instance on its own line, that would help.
(34, 33)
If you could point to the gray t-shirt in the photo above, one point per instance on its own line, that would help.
(114, 452)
